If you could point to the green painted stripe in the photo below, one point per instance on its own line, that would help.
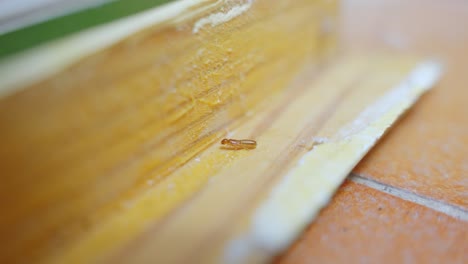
(30, 36)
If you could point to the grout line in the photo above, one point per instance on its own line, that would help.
(451, 210)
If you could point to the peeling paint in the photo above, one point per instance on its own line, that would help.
(222, 17)
(427, 73)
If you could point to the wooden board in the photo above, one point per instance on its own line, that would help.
(95, 119)
(110, 142)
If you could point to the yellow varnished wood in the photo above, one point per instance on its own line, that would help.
(79, 145)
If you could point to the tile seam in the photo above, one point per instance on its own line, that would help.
(436, 205)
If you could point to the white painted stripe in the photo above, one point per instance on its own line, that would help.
(39, 63)
(17, 14)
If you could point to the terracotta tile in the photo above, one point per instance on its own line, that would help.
(427, 152)
(363, 225)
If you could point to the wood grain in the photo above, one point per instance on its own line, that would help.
(86, 129)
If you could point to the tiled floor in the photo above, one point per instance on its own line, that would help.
(364, 225)
(427, 152)
(423, 159)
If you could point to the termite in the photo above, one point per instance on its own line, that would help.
(239, 143)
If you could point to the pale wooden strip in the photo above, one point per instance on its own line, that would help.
(298, 197)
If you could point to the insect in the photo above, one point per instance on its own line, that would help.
(239, 143)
